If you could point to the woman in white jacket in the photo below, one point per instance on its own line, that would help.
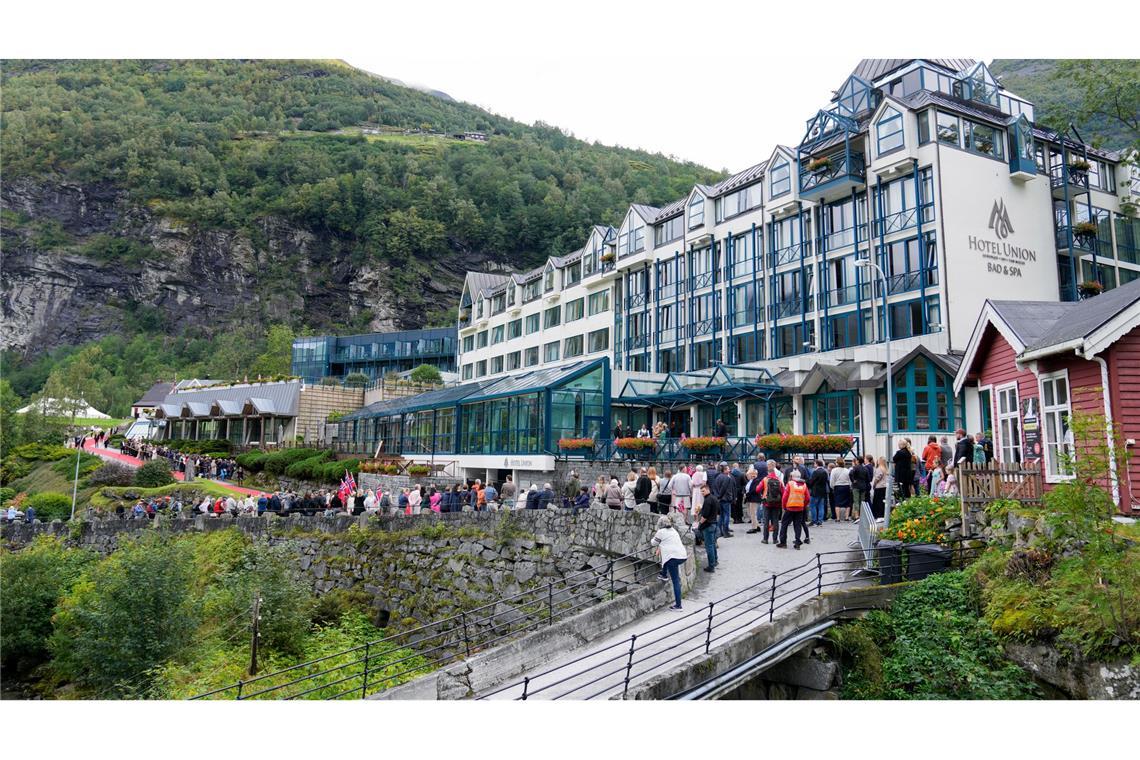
(672, 556)
(627, 492)
(414, 499)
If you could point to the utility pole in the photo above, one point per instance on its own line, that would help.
(75, 484)
(256, 635)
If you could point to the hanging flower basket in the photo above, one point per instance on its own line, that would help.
(1085, 231)
(575, 444)
(817, 165)
(1079, 166)
(701, 444)
(607, 257)
(805, 444)
(418, 469)
(635, 444)
(1090, 288)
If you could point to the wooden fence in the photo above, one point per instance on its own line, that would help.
(979, 484)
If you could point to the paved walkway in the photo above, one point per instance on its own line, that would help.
(115, 455)
(666, 637)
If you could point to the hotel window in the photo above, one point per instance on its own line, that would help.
(514, 360)
(706, 354)
(1009, 424)
(781, 178)
(511, 294)
(843, 331)
(531, 356)
(550, 352)
(467, 368)
(479, 308)
(572, 274)
(791, 339)
(599, 302)
(667, 232)
(745, 348)
(599, 340)
(924, 400)
(481, 368)
(1055, 413)
(496, 365)
(532, 323)
(743, 305)
(948, 129)
(548, 279)
(514, 329)
(1101, 176)
(552, 317)
(889, 131)
(532, 290)
(498, 303)
(574, 309)
(738, 202)
(834, 412)
(632, 239)
(468, 343)
(573, 347)
(590, 261)
(496, 335)
(696, 211)
(983, 139)
(671, 360)
(482, 339)
(924, 127)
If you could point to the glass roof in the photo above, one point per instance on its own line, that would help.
(715, 385)
(534, 380)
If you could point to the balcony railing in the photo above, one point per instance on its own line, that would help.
(903, 220)
(849, 295)
(635, 300)
(789, 254)
(907, 281)
(841, 167)
(636, 341)
(706, 326)
(791, 307)
(1078, 179)
(702, 280)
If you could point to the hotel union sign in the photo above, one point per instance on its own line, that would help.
(1002, 257)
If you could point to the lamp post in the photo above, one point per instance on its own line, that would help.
(868, 264)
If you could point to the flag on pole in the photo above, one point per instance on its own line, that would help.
(349, 480)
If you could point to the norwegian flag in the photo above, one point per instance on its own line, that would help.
(349, 482)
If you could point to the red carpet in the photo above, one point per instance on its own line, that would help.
(117, 456)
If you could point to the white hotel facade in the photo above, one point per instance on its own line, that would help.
(742, 301)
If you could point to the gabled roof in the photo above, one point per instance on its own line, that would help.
(279, 398)
(871, 69)
(155, 394)
(752, 174)
(483, 283)
(971, 108)
(671, 210)
(648, 213)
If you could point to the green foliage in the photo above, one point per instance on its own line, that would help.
(127, 615)
(426, 374)
(356, 380)
(309, 469)
(932, 645)
(88, 463)
(922, 519)
(41, 452)
(277, 462)
(252, 460)
(50, 505)
(111, 474)
(32, 581)
(154, 474)
(6, 495)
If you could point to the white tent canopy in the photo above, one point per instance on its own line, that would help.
(64, 408)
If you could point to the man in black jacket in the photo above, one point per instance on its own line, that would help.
(642, 487)
(860, 484)
(709, 517)
(817, 488)
(724, 489)
(964, 448)
(738, 502)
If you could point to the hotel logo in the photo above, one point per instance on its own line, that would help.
(999, 220)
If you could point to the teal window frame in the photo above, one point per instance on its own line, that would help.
(834, 412)
(917, 386)
(780, 179)
(889, 133)
(533, 323)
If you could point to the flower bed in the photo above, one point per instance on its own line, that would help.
(922, 519)
(805, 444)
(705, 443)
(575, 444)
(418, 469)
(635, 444)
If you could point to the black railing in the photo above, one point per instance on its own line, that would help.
(664, 646)
(369, 668)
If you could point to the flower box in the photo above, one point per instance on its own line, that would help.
(1090, 288)
(805, 444)
(575, 444)
(1085, 230)
(702, 444)
(1079, 166)
(607, 257)
(635, 444)
(820, 164)
(418, 469)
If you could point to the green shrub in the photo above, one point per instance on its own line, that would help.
(332, 472)
(13, 468)
(49, 505)
(32, 581)
(211, 447)
(111, 474)
(278, 461)
(252, 461)
(922, 519)
(307, 469)
(88, 463)
(6, 494)
(154, 474)
(41, 452)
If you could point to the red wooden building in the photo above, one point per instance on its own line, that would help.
(1036, 362)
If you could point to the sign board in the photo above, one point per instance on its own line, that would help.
(1031, 428)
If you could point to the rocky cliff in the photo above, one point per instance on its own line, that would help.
(59, 289)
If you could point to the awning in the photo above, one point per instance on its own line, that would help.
(712, 386)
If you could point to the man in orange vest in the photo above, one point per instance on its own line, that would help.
(795, 501)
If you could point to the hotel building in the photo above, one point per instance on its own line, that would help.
(743, 301)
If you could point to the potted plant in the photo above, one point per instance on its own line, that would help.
(1079, 166)
(702, 444)
(805, 444)
(819, 164)
(607, 257)
(1085, 232)
(1090, 288)
(575, 444)
(635, 444)
(418, 469)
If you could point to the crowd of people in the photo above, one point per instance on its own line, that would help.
(203, 465)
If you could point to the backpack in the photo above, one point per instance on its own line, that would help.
(773, 491)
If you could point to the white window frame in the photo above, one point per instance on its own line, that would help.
(1048, 435)
(999, 418)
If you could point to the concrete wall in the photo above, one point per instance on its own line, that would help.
(317, 402)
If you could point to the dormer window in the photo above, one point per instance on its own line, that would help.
(548, 279)
(978, 84)
(696, 211)
(889, 131)
(632, 237)
(781, 178)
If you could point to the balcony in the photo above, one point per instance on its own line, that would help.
(790, 254)
(903, 220)
(636, 300)
(705, 327)
(908, 281)
(1068, 179)
(835, 173)
(635, 342)
(791, 307)
(849, 295)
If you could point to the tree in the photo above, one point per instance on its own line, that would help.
(277, 359)
(10, 433)
(426, 374)
(125, 616)
(154, 474)
(1107, 88)
(356, 380)
(32, 581)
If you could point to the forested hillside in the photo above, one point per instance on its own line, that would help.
(184, 207)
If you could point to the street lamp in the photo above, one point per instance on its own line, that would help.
(868, 264)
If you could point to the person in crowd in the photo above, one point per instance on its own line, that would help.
(532, 496)
(930, 455)
(509, 491)
(369, 501)
(840, 480)
(491, 496)
(904, 469)
(573, 486)
(860, 486)
(654, 489)
(546, 498)
(698, 478)
(817, 484)
(799, 464)
(415, 499)
(979, 454)
(773, 499)
(681, 488)
(987, 446)
(879, 483)
(951, 488)
(629, 491)
(794, 503)
(708, 525)
(643, 431)
(582, 500)
(665, 492)
(724, 488)
(403, 504)
(275, 503)
(753, 499)
(613, 495)
(384, 506)
(642, 487)
(720, 430)
(963, 448)
(618, 431)
(740, 481)
(435, 498)
(938, 479)
(358, 503)
(672, 554)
